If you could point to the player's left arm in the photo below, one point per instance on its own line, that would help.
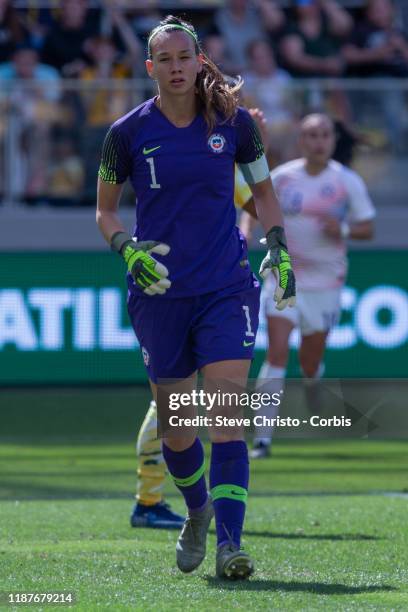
(249, 208)
(243, 195)
(251, 158)
(277, 259)
(359, 225)
(266, 204)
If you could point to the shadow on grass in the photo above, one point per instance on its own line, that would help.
(372, 469)
(319, 588)
(54, 441)
(37, 492)
(66, 489)
(339, 537)
(315, 455)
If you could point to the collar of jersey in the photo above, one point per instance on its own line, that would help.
(186, 127)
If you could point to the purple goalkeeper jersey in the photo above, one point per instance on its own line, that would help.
(184, 184)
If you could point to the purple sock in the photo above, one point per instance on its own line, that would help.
(229, 475)
(187, 469)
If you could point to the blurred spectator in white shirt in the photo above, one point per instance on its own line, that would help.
(242, 21)
(267, 87)
(267, 84)
(31, 108)
(25, 66)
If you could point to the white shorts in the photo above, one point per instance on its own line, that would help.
(315, 310)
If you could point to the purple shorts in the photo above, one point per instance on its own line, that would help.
(178, 336)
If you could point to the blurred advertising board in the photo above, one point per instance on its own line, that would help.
(63, 320)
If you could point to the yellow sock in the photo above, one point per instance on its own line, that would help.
(151, 470)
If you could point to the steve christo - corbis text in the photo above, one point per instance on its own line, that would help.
(241, 400)
(258, 421)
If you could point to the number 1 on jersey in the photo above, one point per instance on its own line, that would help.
(154, 184)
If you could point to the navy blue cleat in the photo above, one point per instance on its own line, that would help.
(158, 516)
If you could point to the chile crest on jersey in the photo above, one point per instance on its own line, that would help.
(217, 142)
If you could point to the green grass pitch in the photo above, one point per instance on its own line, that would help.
(326, 520)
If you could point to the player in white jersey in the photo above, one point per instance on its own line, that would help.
(324, 203)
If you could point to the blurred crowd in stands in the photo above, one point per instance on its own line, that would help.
(67, 73)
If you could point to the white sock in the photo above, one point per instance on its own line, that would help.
(271, 379)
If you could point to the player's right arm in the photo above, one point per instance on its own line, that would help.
(107, 218)
(113, 172)
(252, 161)
(149, 274)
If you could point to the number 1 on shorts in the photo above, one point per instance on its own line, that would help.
(249, 331)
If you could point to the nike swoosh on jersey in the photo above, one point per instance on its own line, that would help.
(147, 151)
(245, 343)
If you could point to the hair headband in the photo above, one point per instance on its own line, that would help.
(172, 26)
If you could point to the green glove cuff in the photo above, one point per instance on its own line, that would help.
(276, 238)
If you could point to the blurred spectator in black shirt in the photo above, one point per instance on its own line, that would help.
(401, 7)
(378, 47)
(37, 22)
(64, 44)
(311, 46)
(144, 20)
(241, 21)
(11, 31)
(116, 24)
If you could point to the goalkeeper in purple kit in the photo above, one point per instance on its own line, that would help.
(193, 300)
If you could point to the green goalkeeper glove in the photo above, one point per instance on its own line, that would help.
(148, 273)
(277, 260)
